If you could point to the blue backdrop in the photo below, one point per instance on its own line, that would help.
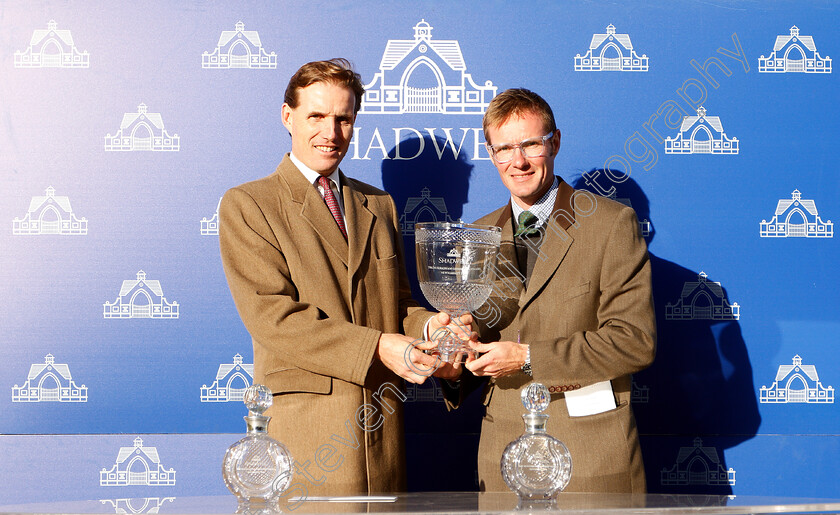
(122, 126)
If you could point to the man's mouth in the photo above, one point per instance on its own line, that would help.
(521, 176)
(326, 148)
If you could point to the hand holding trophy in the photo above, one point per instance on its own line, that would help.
(456, 265)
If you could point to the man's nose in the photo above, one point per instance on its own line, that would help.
(331, 129)
(519, 160)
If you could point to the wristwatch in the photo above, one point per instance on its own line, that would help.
(526, 368)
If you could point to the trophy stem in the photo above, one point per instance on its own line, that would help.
(451, 349)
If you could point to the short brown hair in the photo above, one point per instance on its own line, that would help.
(516, 102)
(336, 71)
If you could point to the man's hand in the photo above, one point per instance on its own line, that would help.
(405, 357)
(499, 358)
(460, 327)
(442, 326)
(448, 371)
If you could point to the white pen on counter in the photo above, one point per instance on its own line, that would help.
(352, 498)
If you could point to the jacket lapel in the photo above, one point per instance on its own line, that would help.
(359, 224)
(314, 211)
(555, 245)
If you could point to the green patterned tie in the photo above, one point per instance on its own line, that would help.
(527, 224)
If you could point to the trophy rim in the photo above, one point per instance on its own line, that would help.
(456, 225)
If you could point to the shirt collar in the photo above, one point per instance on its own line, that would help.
(312, 176)
(541, 208)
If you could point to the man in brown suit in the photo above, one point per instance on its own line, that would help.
(572, 308)
(314, 262)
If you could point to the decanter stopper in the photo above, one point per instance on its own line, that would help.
(536, 465)
(257, 398)
(257, 468)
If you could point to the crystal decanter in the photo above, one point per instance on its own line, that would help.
(257, 468)
(536, 465)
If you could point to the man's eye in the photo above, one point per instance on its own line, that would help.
(504, 148)
(530, 144)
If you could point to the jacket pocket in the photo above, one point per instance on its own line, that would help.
(295, 380)
(386, 263)
(576, 291)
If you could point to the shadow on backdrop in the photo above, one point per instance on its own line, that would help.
(698, 397)
(441, 446)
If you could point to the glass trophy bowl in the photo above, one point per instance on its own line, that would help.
(456, 265)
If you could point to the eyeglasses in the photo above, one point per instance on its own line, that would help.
(532, 147)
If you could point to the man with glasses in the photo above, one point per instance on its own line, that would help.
(572, 308)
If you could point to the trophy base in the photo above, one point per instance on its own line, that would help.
(453, 350)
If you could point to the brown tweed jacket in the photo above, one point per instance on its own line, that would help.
(587, 314)
(315, 306)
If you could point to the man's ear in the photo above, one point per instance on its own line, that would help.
(555, 143)
(286, 117)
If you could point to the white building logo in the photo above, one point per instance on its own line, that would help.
(702, 300)
(49, 382)
(424, 75)
(210, 227)
(430, 391)
(137, 505)
(231, 381)
(701, 134)
(644, 225)
(797, 383)
(50, 214)
(796, 218)
(137, 465)
(639, 394)
(141, 298)
(611, 52)
(239, 48)
(424, 208)
(794, 54)
(51, 48)
(142, 131)
(698, 465)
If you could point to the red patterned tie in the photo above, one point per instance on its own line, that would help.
(332, 203)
